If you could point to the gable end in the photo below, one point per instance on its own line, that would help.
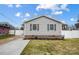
(41, 17)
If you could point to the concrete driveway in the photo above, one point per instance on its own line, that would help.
(14, 47)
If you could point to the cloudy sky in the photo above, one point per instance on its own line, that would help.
(16, 14)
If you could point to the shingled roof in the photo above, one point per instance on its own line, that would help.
(6, 24)
(43, 16)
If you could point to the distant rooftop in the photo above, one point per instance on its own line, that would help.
(6, 24)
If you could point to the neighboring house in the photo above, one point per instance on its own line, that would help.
(42, 25)
(5, 27)
(77, 25)
(22, 27)
(65, 27)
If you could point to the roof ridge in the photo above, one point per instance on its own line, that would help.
(42, 16)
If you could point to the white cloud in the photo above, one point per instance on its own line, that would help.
(57, 12)
(64, 7)
(10, 5)
(27, 14)
(72, 19)
(52, 6)
(18, 5)
(63, 22)
(18, 14)
(48, 6)
(24, 19)
(55, 8)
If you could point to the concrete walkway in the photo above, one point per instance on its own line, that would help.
(14, 47)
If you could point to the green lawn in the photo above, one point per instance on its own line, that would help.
(52, 47)
(5, 36)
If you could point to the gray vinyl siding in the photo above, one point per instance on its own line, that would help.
(43, 27)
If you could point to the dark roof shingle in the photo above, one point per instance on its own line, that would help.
(43, 16)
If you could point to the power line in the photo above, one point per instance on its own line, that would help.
(5, 16)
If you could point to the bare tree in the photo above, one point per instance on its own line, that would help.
(77, 23)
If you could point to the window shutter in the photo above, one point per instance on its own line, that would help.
(38, 27)
(48, 27)
(30, 27)
(55, 26)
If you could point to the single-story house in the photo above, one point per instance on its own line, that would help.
(42, 26)
(5, 27)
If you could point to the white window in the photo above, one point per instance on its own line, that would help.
(51, 26)
(34, 27)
